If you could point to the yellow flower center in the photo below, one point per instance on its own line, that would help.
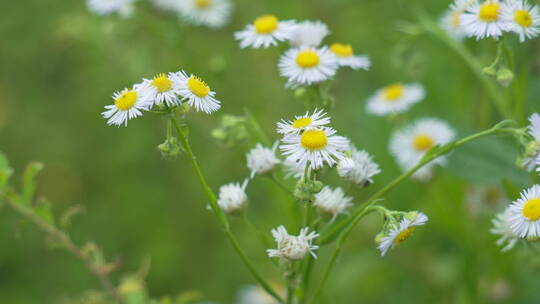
(455, 19)
(126, 100)
(342, 50)
(203, 3)
(302, 122)
(314, 139)
(393, 92)
(307, 59)
(531, 210)
(423, 142)
(489, 12)
(523, 18)
(162, 83)
(266, 24)
(198, 87)
(403, 235)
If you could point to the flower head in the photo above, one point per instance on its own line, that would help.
(300, 123)
(359, 168)
(346, 57)
(265, 31)
(402, 231)
(332, 202)
(197, 93)
(307, 66)
(261, 160)
(128, 104)
(501, 226)
(308, 34)
(484, 20)
(411, 143)
(524, 214)
(211, 13)
(451, 19)
(163, 88)
(395, 98)
(314, 146)
(293, 247)
(233, 198)
(522, 18)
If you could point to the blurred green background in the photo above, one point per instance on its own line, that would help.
(60, 64)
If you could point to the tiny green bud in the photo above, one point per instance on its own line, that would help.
(300, 92)
(305, 190)
(504, 76)
(170, 149)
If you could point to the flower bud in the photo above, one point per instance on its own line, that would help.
(505, 76)
(170, 149)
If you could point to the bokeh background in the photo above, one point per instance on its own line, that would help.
(59, 65)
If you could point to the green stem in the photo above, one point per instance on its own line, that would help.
(256, 128)
(350, 223)
(221, 215)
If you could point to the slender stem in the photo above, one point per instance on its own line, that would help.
(362, 210)
(221, 215)
(257, 129)
(291, 276)
(280, 184)
(68, 244)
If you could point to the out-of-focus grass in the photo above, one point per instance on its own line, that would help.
(60, 65)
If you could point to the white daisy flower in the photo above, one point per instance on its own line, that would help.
(211, 13)
(485, 20)
(308, 34)
(359, 168)
(401, 232)
(254, 295)
(106, 7)
(395, 98)
(292, 247)
(451, 19)
(265, 31)
(233, 198)
(411, 143)
(261, 160)
(525, 214)
(501, 226)
(314, 147)
(317, 119)
(346, 58)
(128, 104)
(197, 93)
(332, 202)
(523, 19)
(532, 158)
(163, 88)
(306, 66)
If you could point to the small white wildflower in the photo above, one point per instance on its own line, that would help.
(163, 88)
(261, 160)
(522, 18)
(401, 232)
(485, 20)
(394, 99)
(451, 19)
(292, 247)
(359, 168)
(318, 118)
(346, 57)
(128, 104)
(233, 198)
(308, 34)
(197, 93)
(524, 215)
(501, 226)
(106, 7)
(211, 13)
(307, 66)
(332, 202)
(265, 31)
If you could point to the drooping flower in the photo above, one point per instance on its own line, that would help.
(307, 66)
(293, 247)
(395, 98)
(265, 31)
(402, 231)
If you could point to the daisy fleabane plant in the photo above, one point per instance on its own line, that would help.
(524, 215)
(307, 65)
(292, 247)
(233, 198)
(210, 13)
(163, 88)
(265, 31)
(318, 118)
(522, 18)
(395, 98)
(358, 168)
(261, 160)
(308, 34)
(346, 57)
(128, 104)
(484, 20)
(197, 93)
(332, 202)
(410, 144)
(399, 232)
(451, 19)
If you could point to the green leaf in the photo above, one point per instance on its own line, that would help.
(28, 182)
(65, 218)
(43, 210)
